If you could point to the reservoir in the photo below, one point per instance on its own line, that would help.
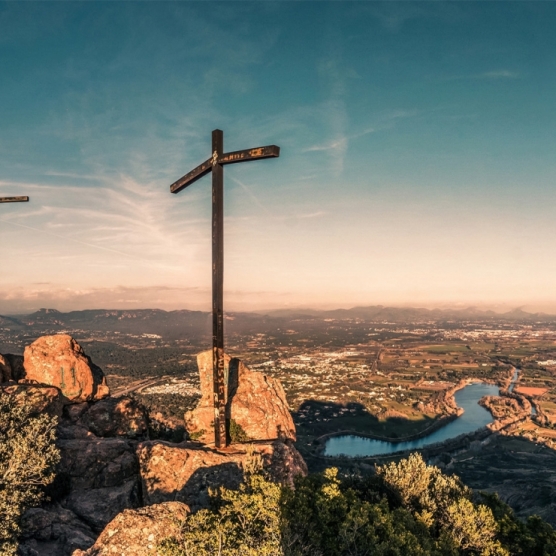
(473, 418)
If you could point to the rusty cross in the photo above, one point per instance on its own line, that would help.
(215, 164)
(13, 199)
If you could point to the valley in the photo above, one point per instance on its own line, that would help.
(385, 373)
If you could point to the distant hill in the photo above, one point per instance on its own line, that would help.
(411, 314)
(196, 325)
(154, 321)
(11, 322)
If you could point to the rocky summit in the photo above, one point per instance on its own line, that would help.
(117, 491)
(255, 403)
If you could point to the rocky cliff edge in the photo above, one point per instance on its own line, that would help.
(117, 491)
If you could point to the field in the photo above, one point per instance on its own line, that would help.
(531, 391)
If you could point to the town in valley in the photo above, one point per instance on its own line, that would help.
(353, 371)
(382, 372)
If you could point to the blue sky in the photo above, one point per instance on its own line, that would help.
(417, 153)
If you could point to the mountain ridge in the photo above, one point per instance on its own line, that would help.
(196, 325)
(368, 312)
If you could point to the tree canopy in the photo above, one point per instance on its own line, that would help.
(407, 507)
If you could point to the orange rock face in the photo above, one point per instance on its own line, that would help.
(59, 361)
(255, 402)
(138, 532)
(186, 471)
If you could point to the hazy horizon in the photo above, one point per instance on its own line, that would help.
(500, 308)
(416, 168)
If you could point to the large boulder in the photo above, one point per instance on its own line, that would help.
(255, 403)
(258, 404)
(60, 361)
(138, 532)
(186, 471)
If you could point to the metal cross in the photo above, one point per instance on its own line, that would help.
(215, 164)
(13, 199)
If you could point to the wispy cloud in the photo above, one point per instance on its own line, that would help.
(126, 219)
(338, 144)
(493, 74)
(498, 74)
(66, 238)
(316, 214)
(75, 176)
(33, 297)
(394, 16)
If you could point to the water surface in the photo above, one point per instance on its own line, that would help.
(473, 418)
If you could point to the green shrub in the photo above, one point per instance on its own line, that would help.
(321, 517)
(236, 432)
(197, 435)
(27, 460)
(245, 522)
(407, 508)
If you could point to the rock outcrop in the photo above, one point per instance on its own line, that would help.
(109, 469)
(255, 402)
(97, 478)
(138, 532)
(99, 467)
(90, 463)
(11, 367)
(186, 471)
(60, 361)
(96, 507)
(43, 399)
(53, 531)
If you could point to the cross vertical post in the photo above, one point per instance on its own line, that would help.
(218, 290)
(215, 164)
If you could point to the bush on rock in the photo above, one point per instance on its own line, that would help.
(28, 457)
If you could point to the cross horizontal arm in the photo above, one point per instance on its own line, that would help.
(13, 199)
(201, 170)
(271, 151)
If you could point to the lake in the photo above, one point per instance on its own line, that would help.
(473, 418)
